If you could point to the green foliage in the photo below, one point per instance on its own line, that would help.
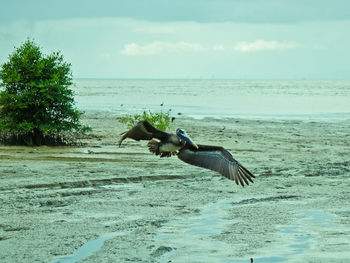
(160, 120)
(35, 98)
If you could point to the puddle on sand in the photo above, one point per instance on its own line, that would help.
(89, 248)
(298, 238)
(318, 217)
(190, 240)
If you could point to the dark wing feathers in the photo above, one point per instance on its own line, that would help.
(143, 130)
(217, 159)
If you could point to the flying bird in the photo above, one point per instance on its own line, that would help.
(165, 144)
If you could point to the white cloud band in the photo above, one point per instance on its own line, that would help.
(263, 45)
(159, 47)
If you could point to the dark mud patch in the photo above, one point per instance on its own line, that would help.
(105, 181)
(266, 199)
(14, 229)
(161, 251)
(54, 203)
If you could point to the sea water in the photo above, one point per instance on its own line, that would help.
(301, 99)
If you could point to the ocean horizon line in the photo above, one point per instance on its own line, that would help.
(215, 79)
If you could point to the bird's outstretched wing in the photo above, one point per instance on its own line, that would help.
(143, 130)
(217, 159)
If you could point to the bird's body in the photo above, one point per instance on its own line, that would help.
(169, 147)
(215, 158)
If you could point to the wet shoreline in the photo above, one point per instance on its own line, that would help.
(56, 199)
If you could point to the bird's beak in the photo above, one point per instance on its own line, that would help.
(188, 140)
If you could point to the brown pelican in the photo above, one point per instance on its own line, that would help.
(215, 158)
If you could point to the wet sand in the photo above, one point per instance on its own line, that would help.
(101, 203)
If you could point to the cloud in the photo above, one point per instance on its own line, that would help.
(96, 47)
(218, 48)
(263, 45)
(159, 47)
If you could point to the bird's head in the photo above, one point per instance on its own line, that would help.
(184, 137)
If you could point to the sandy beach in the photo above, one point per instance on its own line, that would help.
(101, 203)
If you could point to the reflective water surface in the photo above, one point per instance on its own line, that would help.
(232, 98)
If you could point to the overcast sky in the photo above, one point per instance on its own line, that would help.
(241, 39)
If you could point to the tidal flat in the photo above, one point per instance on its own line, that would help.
(101, 203)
